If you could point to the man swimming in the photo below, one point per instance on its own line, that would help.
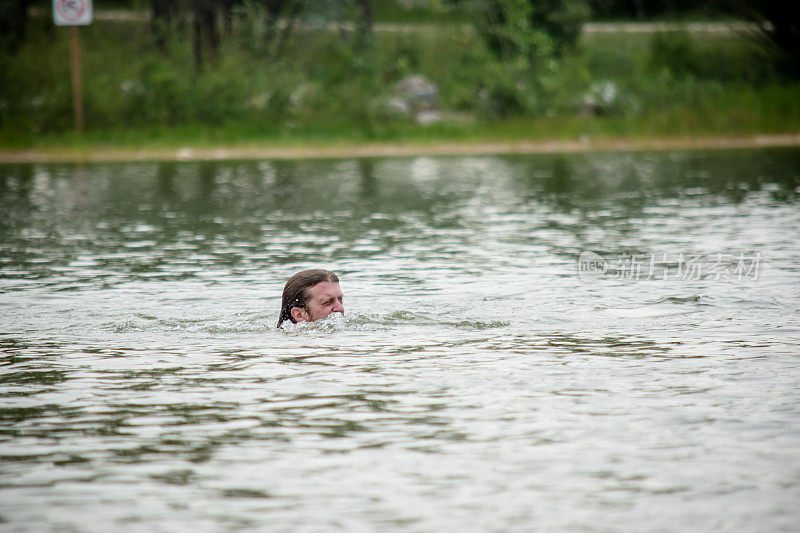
(310, 295)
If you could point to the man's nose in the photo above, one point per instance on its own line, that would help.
(338, 307)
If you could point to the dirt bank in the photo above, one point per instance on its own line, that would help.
(266, 151)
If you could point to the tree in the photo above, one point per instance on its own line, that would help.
(200, 15)
(364, 28)
(779, 22)
(205, 36)
(532, 28)
(529, 38)
(164, 13)
(266, 25)
(13, 21)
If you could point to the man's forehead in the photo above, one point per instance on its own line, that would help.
(326, 288)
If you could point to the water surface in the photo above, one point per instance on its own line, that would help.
(478, 381)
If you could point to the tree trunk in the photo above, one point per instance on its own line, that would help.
(161, 21)
(364, 26)
(13, 23)
(205, 37)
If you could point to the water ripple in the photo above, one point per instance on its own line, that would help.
(475, 383)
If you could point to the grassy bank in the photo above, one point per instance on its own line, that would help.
(322, 89)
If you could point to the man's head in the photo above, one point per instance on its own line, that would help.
(310, 295)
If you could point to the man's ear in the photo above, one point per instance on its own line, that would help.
(299, 314)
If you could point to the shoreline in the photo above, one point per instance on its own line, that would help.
(401, 149)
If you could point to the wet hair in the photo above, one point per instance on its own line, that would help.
(295, 292)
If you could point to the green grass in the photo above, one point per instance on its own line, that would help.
(323, 90)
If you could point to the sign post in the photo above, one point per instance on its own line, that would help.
(74, 13)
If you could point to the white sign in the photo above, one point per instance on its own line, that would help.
(72, 12)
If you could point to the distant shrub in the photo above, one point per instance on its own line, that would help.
(528, 39)
(326, 85)
(674, 52)
(719, 58)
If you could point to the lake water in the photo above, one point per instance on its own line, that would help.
(482, 378)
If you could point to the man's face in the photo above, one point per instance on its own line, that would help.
(325, 298)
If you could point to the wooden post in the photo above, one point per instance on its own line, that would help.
(77, 86)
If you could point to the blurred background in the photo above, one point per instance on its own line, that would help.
(324, 70)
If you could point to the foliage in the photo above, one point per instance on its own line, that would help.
(780, 29)
(528, 38)
(324, 82)
(723, 58)
(13, 23)
(661, 9)
(778, 20)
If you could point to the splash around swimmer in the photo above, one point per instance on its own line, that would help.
(311, 295)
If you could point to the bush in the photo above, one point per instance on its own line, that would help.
(528, 38)
(324, 84)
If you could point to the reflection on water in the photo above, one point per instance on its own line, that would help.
(476, 382)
